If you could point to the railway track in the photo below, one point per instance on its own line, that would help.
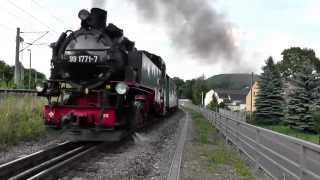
(174, 171)
(45, 163)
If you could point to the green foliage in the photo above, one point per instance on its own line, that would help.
(40, 78)
(213, 105)
(284, 129)
(316, 121)
(293, 58)
(223, 105)
(7, 75)
(186, 90)
(191, 89)
(203, 127)
(302, 98)
(199, 86)
(220, 154)
(269, 102)
(180, 85)
(20, 119)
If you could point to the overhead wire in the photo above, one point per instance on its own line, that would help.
(37, 39)
(13, 15)
(50, 13)
(30, 15)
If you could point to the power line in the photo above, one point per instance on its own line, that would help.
(14, 16)
(39, 44)
(33, 32)
(30, 44)
(30, 15)
(50, 13)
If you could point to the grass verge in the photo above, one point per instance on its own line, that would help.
(314, 138)
(20, 119)
(219, 154)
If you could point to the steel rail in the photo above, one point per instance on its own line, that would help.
(174, 171)
(37, 163)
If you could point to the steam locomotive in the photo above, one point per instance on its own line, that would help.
(101, 87)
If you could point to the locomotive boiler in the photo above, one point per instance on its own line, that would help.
(101, 87)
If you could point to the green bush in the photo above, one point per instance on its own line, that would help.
(20, 119)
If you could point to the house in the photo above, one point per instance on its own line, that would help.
(250, 106)
(234, 99)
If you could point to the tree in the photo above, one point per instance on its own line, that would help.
(180, 84)
(186, 89)
(269, 102)
(303, 98)
(199, 86)
(7, 74)
(316, 120)
(293, 58)
(213, 105)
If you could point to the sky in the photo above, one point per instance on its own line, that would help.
(260, 28)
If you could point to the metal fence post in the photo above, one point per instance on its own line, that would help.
(238, 142)
(226, 126)
(302, 161)
(257, 165)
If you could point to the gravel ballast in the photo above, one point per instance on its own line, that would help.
(147, 156)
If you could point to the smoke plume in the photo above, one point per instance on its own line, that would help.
(99, 4)
(194, 26)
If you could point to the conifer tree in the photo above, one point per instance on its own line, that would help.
(269, 102)
(304, 99)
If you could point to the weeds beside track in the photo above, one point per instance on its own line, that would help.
(20, 118)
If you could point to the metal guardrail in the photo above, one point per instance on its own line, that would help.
(18, 91)
(233, 114)
(280, 156)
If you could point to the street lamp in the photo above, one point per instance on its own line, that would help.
(29, 68)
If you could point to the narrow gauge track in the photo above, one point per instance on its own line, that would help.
(42, 164)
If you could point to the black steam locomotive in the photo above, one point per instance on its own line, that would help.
(101, 87)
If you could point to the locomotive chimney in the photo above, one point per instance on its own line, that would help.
(98, 18)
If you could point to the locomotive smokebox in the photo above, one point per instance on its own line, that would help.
(98, 18)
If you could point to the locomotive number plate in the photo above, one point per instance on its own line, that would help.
(84, 59)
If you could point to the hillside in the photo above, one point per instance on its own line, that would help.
(230, 81)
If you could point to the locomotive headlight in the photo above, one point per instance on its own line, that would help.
(83, 14)
(121, 88)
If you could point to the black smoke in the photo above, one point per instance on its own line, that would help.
(98, 3)
(194, 26)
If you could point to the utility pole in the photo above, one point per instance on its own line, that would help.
(17, 64)
(251, 98)
(202, 103)
(35, 78)
(29, 68)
